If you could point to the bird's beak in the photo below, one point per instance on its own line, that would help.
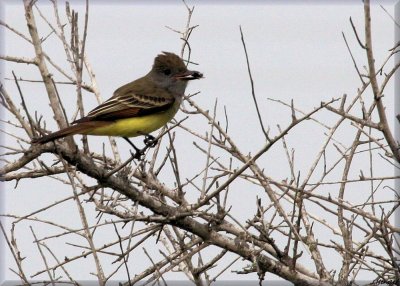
(189, 75)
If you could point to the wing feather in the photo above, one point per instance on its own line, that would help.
(131, 100)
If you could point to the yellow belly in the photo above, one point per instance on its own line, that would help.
(136, 126)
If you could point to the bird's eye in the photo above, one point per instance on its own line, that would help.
(167, 71)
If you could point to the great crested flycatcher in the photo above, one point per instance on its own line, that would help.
(139, 107)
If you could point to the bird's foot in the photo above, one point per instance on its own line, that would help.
(150, 141)
(139, 153)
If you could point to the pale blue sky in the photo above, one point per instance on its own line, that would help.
(296, 51)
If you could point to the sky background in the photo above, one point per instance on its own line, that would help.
(296, 52)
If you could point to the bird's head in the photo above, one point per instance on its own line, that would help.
(169, 71)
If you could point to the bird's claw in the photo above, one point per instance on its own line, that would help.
(150, 141)
(138, 155)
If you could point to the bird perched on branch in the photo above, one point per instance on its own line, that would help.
(137, 108)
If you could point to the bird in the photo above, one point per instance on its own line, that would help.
(137, 108)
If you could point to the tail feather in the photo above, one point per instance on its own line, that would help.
(81, 128)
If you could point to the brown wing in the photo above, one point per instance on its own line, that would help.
(133, 99)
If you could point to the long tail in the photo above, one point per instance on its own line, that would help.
(71, 130)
